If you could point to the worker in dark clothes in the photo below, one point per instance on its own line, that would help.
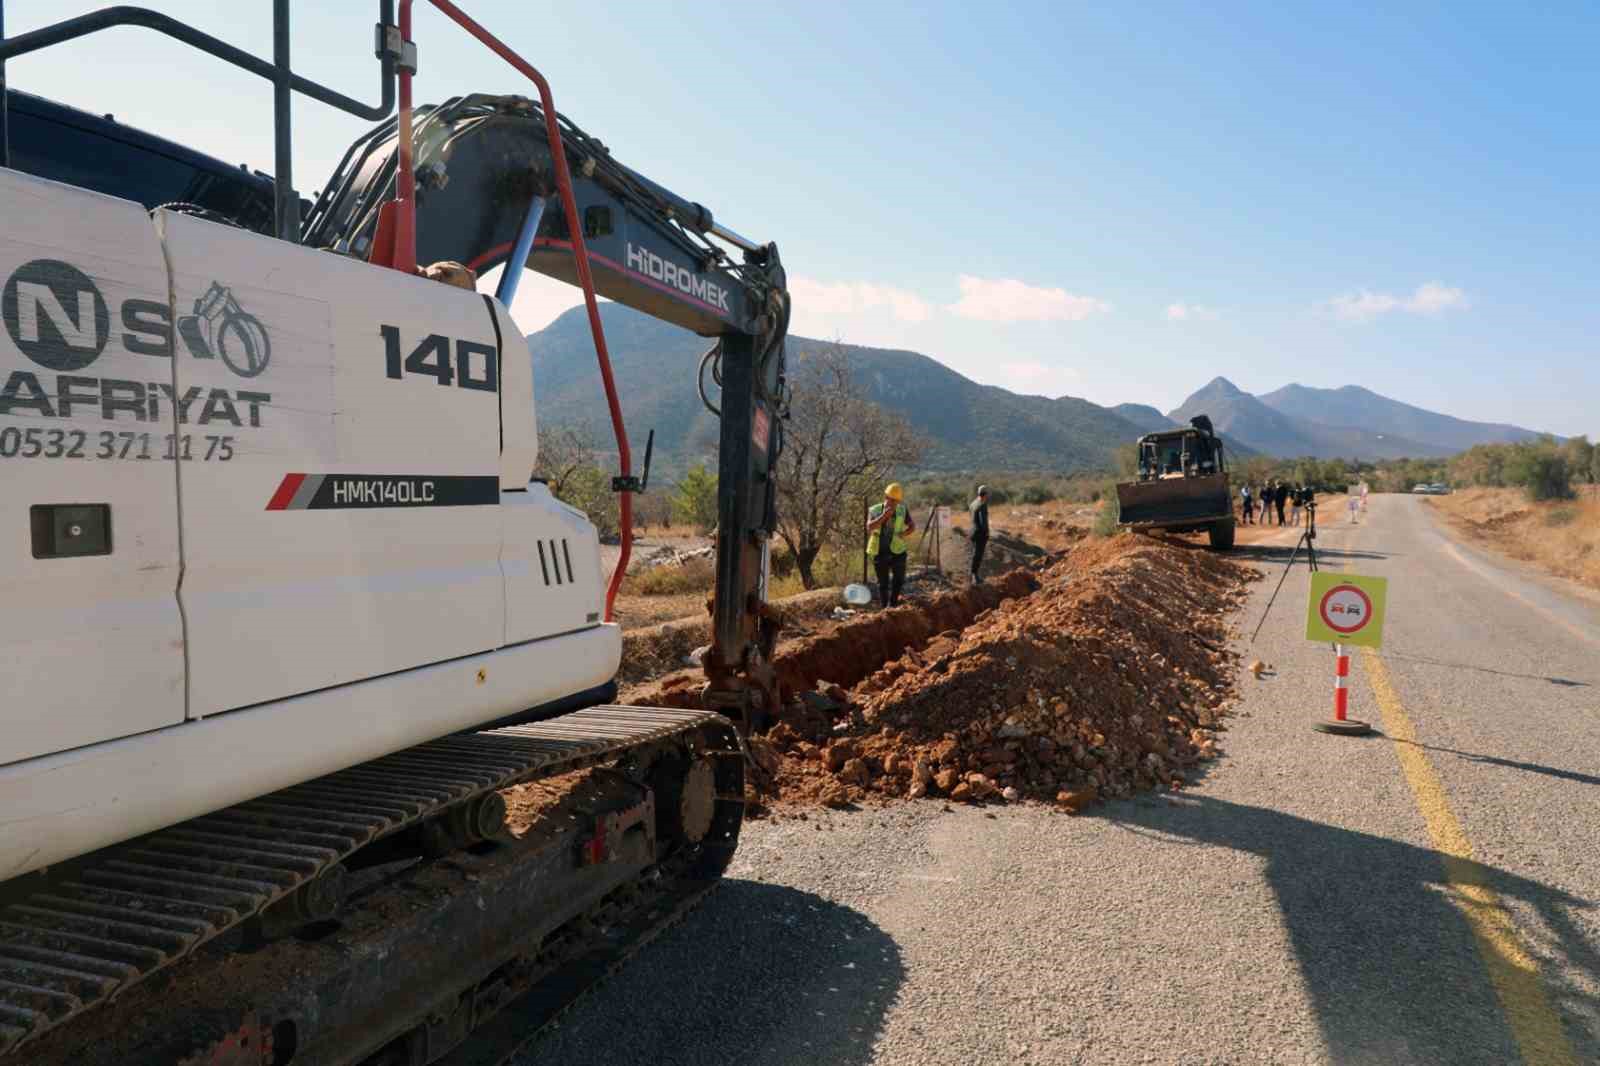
(888, 553)
(979, 509)
(1281, 498)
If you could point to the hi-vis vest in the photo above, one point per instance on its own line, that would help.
(897, 543)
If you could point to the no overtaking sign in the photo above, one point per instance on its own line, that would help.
(1346, 609)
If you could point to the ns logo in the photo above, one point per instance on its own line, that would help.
(58, 318)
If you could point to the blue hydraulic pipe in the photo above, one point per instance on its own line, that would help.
(511, 276)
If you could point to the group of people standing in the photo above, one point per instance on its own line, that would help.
(1274, 496)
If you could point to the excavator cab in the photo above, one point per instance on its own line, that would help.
(1181, 486)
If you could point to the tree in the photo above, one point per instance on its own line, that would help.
(652, 509)
(589, 490)
(839, 448)
(563, 451)
(694, 502)
(1541, 469)
(569, 465)
(1580, 458)
(1257, 469)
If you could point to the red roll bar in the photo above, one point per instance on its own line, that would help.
(395, 244)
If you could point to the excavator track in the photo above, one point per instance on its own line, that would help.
(524, 1021)
(133, 910)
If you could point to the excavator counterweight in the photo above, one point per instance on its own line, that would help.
(289, 615)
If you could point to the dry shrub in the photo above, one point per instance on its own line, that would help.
(694, 575)
(1562, 538)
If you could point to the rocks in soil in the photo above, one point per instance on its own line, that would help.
(1110, 678)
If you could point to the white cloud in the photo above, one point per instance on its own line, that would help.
(1007, 300)
(1181, 312)
(1430, 298)
(854, 297)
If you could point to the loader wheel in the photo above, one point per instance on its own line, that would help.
(1221, 534)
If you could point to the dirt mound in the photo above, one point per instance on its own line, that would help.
(1006, 550)
(1110, 677)
(840, 655)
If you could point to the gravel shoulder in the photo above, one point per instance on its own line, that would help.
(1289, 907)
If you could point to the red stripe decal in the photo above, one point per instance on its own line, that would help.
(286, 490)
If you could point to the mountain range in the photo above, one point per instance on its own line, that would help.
(972, 427)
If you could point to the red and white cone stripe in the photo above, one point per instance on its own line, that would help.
(1341, 695)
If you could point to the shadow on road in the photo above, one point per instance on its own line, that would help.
(1563, 681)
(1279, 553)
(1387, 957)
(758, 974)
(1511, 764)
(1274, 553)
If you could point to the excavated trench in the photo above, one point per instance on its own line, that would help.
(1098, 672)
(853, 650)
(1102, 672)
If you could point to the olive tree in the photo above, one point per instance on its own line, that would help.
(839, 448)
(570, 465)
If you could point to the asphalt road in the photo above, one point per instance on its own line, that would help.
(1429, 894)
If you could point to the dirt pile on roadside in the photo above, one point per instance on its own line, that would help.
(1008, 550)
(1109, 678)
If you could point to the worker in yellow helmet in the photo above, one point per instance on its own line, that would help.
(888, 553)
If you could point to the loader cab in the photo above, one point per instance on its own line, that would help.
(1180, 454)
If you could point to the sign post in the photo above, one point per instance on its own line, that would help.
(1345, 609)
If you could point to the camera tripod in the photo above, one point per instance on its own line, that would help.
(1308, 540)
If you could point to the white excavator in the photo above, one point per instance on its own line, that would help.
(279, 597)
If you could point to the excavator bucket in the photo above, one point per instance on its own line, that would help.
(1164, 503)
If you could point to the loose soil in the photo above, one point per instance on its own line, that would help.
(1112, 676)
(840, 654)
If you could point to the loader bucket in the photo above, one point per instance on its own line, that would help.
(1179, 501)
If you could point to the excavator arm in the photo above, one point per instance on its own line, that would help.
(484, 173)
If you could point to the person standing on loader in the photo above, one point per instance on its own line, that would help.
(979, 509)
(888, 553)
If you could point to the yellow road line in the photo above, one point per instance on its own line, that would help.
(1513, 972)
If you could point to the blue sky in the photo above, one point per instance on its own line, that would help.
(1117, 202)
